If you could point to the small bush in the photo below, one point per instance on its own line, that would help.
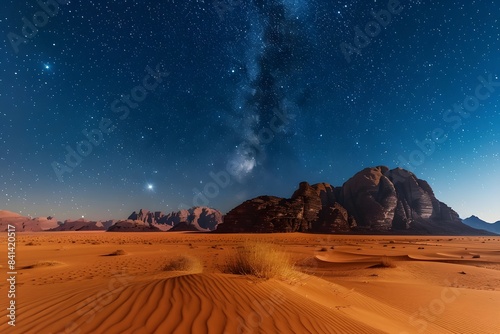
(323, 249)
(31, 243)
(476, 256)
(260, 260)
(386, 262)
(117, 252)
(40, 264)
(184, 263)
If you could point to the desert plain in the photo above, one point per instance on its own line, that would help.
(182, 282)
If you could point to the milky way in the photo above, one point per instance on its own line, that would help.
(254, 97)
(269, 98)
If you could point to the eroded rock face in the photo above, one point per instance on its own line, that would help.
(375, 200)
(416, 201)
(266, 214)
(201, 218)
(145, 216)
(310, 209)
(371, 198)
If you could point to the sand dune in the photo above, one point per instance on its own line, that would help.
(67, 284)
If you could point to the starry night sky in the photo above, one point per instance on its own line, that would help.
(260, 94)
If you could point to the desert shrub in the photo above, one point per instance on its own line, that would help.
(323, 249)
(31, 243)
(476, 256)
(260, 260)
(40, 264)
(386, 262)
(117, 252)
(184, 263)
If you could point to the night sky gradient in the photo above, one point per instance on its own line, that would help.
(257, 94)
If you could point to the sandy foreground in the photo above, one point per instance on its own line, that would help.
(67, 282)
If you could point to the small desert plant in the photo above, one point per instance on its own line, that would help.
(260, 260)
(323, 249)
(31, 243)
(386, 262)
(40, 264)
(476, 256)
(117, 253)
(184, 263)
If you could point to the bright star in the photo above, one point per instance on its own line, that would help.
(150, 186)
(47, 66)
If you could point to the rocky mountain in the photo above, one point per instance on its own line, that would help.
(133, 226)
(193, 219)
(25, 224)
(478, 223)
(80, 225)
(375, 200)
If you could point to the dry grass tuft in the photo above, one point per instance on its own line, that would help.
(117, 252)
(184, 263)
(385, 262)
(32, 243)
(260, 260)
(41, 264)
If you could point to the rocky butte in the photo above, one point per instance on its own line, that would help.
(375, 200)
(194, 219)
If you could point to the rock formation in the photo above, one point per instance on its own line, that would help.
(374, 200)
(311, 209)
(133, 226)
(80, 225)
(195, 219)
(371, 198)
(25, 224)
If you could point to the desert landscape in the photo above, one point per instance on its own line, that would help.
(192, 282)
(241, 167)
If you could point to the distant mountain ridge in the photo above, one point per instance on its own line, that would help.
(202, 219)
(25, 224)
(476, 222)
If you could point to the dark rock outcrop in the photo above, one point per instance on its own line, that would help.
(416, 203)
(133, 226)
(375, 200)
(184, 227)
(80, 225)
(144, 216)
(371, 198)
(310, 209)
